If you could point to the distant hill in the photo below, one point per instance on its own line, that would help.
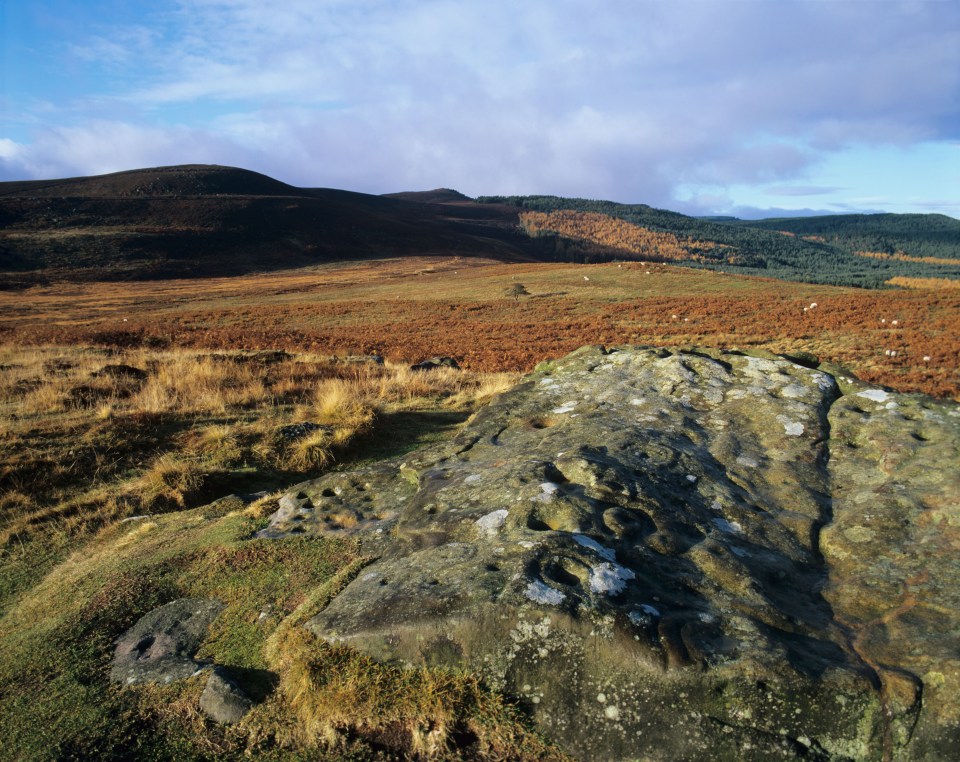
(209, 220)
(200, 220)
(436, 196)
(858, 250)
(918, 236)
(185, 180)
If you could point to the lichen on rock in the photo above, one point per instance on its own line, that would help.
(160, 647)
(683, 533)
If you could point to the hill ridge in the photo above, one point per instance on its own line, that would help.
(206, 219)
(165, 181)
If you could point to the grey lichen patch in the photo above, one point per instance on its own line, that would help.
(645, 525)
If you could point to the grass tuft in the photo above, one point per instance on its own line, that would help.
(84, 450)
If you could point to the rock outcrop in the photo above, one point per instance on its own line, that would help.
(674, 555)
(160, 647)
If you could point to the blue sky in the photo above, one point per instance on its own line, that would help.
(746, 107)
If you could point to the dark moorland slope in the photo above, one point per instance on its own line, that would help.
(209, 220)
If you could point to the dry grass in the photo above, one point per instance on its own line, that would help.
(410, 309)
(89, 435)
(336, 693)
(170, 483)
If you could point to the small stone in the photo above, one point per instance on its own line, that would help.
(222, 700)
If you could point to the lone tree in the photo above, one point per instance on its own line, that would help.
(517, 290)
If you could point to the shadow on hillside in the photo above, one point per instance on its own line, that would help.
(398, 433)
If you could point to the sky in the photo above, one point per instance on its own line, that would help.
(745, 107)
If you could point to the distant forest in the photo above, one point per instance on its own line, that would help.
(849, 250)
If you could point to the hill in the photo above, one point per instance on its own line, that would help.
(920, 237)
(815, 250)
(202, 221)
(207, 220)
(184, 180)
(436, 196)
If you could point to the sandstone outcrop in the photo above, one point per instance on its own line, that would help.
(673, 555)
(160, 647)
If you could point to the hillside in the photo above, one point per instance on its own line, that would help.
(815, 250)
(620, 525)
(205, 220)
(184, 180)
(920, 237)
(435, 196)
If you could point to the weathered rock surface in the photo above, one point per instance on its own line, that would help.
(669, 555)
(223, 700)
(160, 646)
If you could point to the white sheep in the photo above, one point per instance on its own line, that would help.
(813, 305)
(926, 358)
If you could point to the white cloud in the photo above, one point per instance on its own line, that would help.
(630, 100)
(9, 150)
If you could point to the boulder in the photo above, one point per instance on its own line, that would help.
(294, 431)
(120, 371)
(360, 359)
(432, 363)
(159, 648)
(223, 700)
(673, 555)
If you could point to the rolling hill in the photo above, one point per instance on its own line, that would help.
(813, 249)
(202, 221)
(207, 220)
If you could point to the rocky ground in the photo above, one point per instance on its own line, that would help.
(672, 554)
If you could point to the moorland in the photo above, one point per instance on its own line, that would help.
(171, 337)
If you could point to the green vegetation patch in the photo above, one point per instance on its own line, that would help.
(810, 249)
(106, 516)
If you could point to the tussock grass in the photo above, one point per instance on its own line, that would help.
(336, 692)
(105, 480)
(161, 423)
(170, 482)
(91, 435)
